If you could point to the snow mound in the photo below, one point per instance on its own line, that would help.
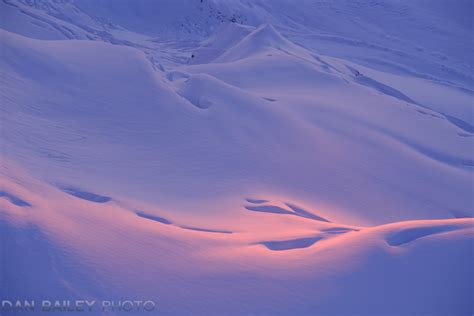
(264, 40)
(219, 43)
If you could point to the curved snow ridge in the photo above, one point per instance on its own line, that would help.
(290, 244)
(423, 229)
(323, 234)
(165, 221)
(262, 40)
(205, 91)
(13, 199)
(152, 217)
(85, 195)
(399, 234)
(256, 201)
(207, 230)
(215, 46)
(288, 209)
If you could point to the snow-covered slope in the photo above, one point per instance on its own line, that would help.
(267, 262)
(270, 166)
(427, 39)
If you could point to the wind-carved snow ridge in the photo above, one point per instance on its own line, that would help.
(264, 39)
(290, 244)
(290, 210)
(89, 196)
(238, 157)
(165, 221)
(13, 199)
(411, 234)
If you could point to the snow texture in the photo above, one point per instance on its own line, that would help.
(239, 157)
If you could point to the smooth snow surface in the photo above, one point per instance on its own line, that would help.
(239, 157)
